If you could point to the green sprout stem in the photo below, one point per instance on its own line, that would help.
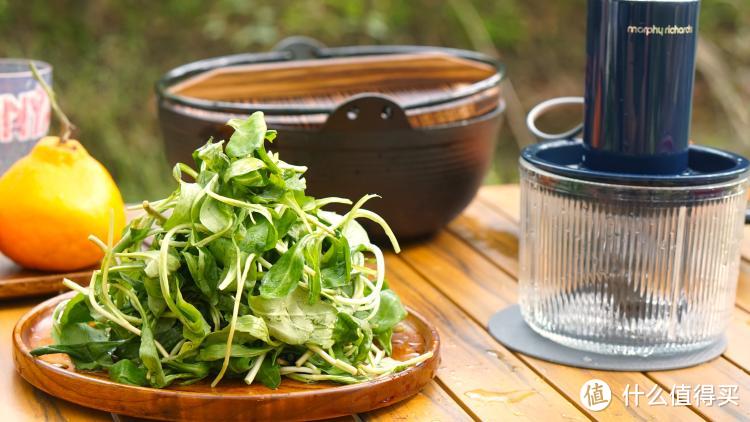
(66, 127)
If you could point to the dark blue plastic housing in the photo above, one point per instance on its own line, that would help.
(639, 84)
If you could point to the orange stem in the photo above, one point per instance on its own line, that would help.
(66, 126)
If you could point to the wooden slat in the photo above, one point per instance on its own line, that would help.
(504, 198)
(743, 284)
(746, 244)
(480, 288)
(489, 381)
(498, 238)
(432, 404)
(718, 372)
(738, 333)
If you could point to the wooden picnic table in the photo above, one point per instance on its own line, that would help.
(458, 279)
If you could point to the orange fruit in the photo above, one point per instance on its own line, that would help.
(51, 201)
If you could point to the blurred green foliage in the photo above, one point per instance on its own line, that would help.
(107, 56)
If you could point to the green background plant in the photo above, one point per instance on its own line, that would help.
(107, 55)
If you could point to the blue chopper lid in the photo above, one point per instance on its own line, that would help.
(706, 165)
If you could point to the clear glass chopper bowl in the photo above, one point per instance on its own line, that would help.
(629, 268)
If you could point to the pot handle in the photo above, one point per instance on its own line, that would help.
(367, 112)
(300, 47)
(546, 106)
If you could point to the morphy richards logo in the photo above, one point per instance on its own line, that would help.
(661, 30)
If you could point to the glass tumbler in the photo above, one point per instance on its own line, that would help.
(24, 109)
(629, 269)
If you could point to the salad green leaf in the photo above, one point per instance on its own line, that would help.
(127, 372)
(284, 275)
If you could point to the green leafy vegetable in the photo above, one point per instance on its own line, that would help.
(293, 320)
(215, 215)
(283, 276)
(127, 372)
(236, 273)
(248, 135)
(87, 356)
(269, 373)
(336, 267)
(390, 312)
(219, 351)
(150, 357)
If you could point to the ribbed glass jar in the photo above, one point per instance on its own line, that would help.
(627, 269)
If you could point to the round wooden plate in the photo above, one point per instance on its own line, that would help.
(231, 400)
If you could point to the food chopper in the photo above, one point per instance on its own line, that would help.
(630, 237)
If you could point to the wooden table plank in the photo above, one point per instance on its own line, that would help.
(717, 372)
(497, 237)
(733, 370)
(431, 404)
(506, 199)
(506, 387)
(746, 244)
(743, 284)
(480, 288)
(738, 334)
